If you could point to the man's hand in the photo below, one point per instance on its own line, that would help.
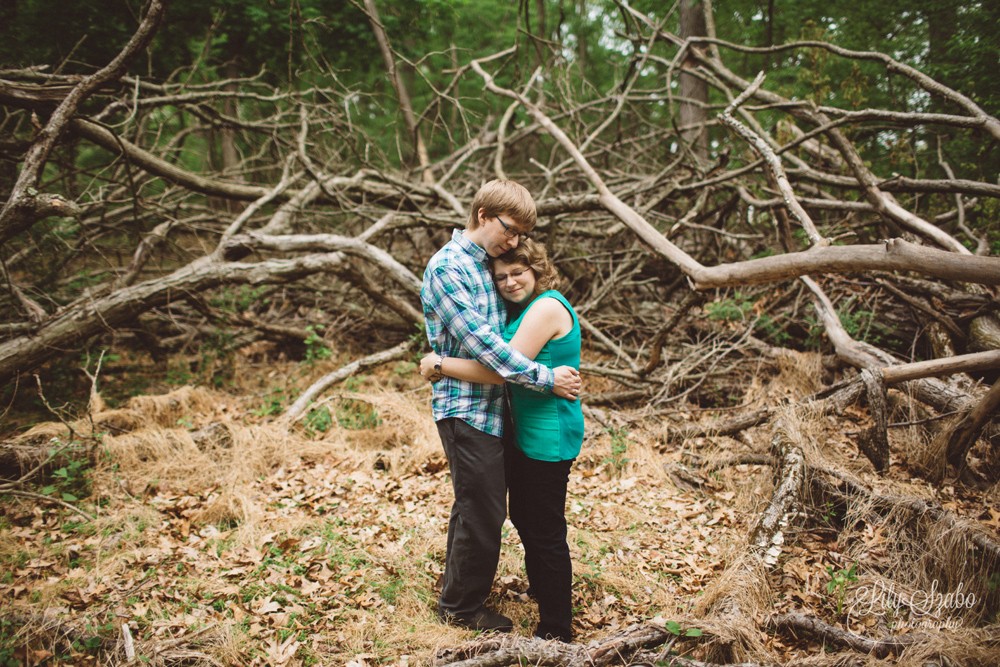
(427, 367)
(567, 382)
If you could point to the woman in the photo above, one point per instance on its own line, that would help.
(547, 430)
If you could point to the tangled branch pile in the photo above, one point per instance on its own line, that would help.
(183, 214)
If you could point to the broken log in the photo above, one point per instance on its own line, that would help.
(767, 537)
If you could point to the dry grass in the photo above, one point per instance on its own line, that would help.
(211, 510)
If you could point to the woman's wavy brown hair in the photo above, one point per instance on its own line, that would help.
(532, 254)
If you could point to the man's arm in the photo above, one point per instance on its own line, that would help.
(567, 378)
(452, 301)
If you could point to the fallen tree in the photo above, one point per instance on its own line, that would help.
(692, 272)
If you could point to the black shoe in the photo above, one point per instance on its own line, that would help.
(549, 636)
(484, 620)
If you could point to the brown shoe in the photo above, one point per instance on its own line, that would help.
(483, 619)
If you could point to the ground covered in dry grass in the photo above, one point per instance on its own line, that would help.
(219, 535)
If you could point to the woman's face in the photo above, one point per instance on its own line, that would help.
(516, 282)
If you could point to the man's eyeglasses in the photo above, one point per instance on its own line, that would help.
(501, 278)
(509, 231)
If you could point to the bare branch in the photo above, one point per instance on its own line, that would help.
(18, 213)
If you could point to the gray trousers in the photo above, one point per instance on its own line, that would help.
(476, 462)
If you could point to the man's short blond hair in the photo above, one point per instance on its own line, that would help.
(504, 198)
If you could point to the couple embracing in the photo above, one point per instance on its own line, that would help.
(506, 349)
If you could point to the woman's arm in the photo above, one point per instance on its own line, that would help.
(546, 319)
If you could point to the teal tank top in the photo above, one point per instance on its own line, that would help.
(546, 427)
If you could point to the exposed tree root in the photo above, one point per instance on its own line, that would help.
(987, 550)
(722, 427)
(799, 624)
(634, 645)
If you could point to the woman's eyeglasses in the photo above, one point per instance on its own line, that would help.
(501, 278)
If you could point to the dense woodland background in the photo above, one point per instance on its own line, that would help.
(778, 220)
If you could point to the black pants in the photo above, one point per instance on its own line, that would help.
(538, 510)
(476, 462)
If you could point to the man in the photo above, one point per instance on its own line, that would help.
(464, 317)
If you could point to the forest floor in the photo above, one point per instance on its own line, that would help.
(217, 535)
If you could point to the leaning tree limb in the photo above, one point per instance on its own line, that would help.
(917, 378)
(884, 202)
(874, 440)
(957, 438)
(363, 183)
(896, 254)
(977, 361)
(89, 317)
(298, 408)
(773, 163)
(326, 243)
(977, 117)
(840, 396)
(940, 396)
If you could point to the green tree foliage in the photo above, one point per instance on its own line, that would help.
(953, 41)
(278, 37)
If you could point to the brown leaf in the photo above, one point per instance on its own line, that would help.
(288, 544)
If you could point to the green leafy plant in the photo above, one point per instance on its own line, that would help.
(93, 641)
(274, 404)
(8, 644)
(357, 415)
(734, 308)
(839, 582)
(318, 421)
(69, 482)
(316, 347)
(816, 333)
(677, 629)
(619, 445)
(830, 514)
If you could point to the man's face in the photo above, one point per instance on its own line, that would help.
(499, 234)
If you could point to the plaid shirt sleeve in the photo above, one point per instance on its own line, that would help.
(453, 308)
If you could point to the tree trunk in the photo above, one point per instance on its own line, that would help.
(693, 90)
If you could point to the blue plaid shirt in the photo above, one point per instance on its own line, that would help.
(464, 316)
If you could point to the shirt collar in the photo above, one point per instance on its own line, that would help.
(468, 246)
